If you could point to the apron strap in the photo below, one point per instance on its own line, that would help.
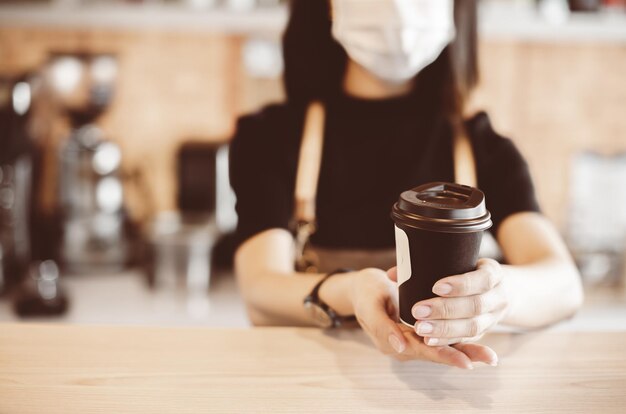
(464, 161)
(309, 163)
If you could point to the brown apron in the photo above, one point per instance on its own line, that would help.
(315, 259)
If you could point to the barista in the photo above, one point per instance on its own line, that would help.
(385, 84)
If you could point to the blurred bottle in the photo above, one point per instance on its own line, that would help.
(554, 11)
(585, 5)
(597, 5)
(41, 294)
(241, 5)
(615, 5)
(200, 4)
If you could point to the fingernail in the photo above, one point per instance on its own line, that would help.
(469, 366)
(494, 362)
(424, 328)
(421, 311)
(396, 344)
(433, 341)
(442, 289)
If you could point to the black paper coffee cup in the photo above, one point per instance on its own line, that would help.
(439, 228)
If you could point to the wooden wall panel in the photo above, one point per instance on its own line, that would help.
(551, 99)
(555, 100)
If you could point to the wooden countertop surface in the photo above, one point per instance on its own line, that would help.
(96, 369)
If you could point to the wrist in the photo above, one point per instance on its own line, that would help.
(336, 293)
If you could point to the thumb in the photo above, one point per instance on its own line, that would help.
(383, 330)
(478, 353)
(393, 273)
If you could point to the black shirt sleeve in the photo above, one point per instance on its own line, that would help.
(502, 171)
(260, 173)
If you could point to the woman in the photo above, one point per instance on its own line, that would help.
(385, 83)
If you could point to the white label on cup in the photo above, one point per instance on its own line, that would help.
(403, 256)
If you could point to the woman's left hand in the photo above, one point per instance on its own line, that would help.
(468, 306)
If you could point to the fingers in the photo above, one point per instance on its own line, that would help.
(444, 341)
(456, 328)
(451, 356)
(475, 352)
(479, 353)
(487, 276)
(393, 274)
(461, 307)
(416, 349)
(459, 355)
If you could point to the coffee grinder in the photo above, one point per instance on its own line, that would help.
(90, 191)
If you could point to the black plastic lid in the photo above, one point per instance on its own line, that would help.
(443, 207)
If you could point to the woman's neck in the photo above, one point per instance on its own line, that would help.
(360, 83)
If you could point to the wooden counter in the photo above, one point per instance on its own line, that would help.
(77, 369)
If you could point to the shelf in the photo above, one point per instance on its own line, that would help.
(497, 23)
(138, 17)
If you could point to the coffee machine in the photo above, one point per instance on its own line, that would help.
(90, 189)
(16, 155)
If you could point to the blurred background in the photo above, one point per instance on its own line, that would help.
(115, 118)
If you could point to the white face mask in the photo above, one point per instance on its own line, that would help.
(393, 39)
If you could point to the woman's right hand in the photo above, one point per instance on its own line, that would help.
(375, 301)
